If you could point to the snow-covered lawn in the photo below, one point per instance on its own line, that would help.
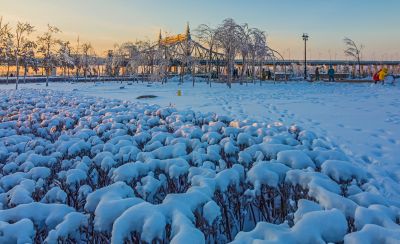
(361, 119)
(78, 167)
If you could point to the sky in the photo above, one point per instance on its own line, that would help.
(373, 23)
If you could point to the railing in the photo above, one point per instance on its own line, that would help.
(337, 76)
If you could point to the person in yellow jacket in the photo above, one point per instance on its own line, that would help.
(382, 75)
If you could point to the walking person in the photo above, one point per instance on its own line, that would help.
(317, 74)
(331, 73)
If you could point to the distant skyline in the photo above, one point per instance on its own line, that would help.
(373, 23)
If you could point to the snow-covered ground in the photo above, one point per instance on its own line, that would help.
(362, 119)
(318, 152)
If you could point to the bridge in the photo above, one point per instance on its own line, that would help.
(181, 54)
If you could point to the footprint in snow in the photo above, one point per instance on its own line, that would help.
(374, 135)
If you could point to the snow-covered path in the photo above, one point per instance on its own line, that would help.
(362, 119)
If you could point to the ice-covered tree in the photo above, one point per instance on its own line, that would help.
(6, 45)
(228, 40)
(65, 58)
(207, 35)
(130, 54)
(258, 49)
(77, 58)
(86, 58)
(27, 57)
(22, 31)
(46, 46)
(244, 48)
(146, 50)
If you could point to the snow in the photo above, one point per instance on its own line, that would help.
(211, 211)
(305, 206)
(266, 173)
(40, 214)
(295, 159)
(332, 230)
(109, 209)
(343, 171)
(118, 189)
(142, 218)
(19, 232)
(373, 234)
(210, 167)
(69, 228)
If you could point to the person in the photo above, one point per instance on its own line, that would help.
(264, 75)
(331, 73)
(269, 75)
(383, 74)
(375, 77)
(317, 74)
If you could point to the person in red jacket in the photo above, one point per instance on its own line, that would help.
(380, 75)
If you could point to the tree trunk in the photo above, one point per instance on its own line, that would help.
(8, 70)
(17, 74)
(253, 70)
(25, 72)
(230, 71)
(47, 77)
(65, 73)
(193, 76)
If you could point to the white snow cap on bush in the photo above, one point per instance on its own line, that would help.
(118, 189)
(142, 218)
(342, 171)
(371, 234)
(69, 228)
(211, 211)
(20, 232)
(333, 230)
(295, 159)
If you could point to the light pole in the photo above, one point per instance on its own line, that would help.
(305, 38)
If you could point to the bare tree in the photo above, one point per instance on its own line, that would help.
(46, 44)
(21, 32)
(353, 50)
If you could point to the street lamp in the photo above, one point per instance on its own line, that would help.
(305, 38)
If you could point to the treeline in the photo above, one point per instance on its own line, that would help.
(229, 41)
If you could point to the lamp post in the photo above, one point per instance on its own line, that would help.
(305, 38)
